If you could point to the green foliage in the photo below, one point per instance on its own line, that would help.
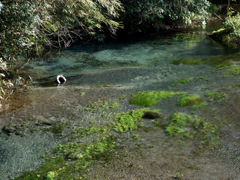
(5, 85)
(198, 106)
(141, 15)
(150, 98)
(232, 24)
(27, 26)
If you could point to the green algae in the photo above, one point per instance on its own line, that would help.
(185, 37)
(190, 99)
(218, 61)
(182, 81)
(73, 159)
(192, 127)
(216, 95)
(186, 61)
(198, 106)
(234, 71)
(150, 98)
(124, 122)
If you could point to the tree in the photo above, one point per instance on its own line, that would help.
(162, 14)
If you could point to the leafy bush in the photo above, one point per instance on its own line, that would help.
(232, 24)
(159, 14)
(26, 26)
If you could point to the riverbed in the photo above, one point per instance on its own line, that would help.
(101, 81)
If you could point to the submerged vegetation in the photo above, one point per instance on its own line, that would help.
(190, 99)
(73, 159)
(192, 127)
(150, 98)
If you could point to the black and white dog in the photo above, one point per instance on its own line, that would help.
(61, 79)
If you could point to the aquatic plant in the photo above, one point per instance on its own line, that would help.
(198, 106)
(185, 37)
(192, 127)
(150, 98)
(234, 71)
(186, 61)
(182, 81)
(72, 159)
(176, 125)
(191, 99)
(124, 122)
(216, 95)
(218, 61)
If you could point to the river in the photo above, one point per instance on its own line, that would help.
(101, 79)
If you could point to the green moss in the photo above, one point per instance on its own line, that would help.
(182, 81)
(150, 98)
(186, 61)
(128, 121)
(189, 100)
(58, 128)
(234, 71)
(101, 106)
(51, 175)
(113, 106)
(219, 61)
(215, 95)
(198, 106)
(192, 127)
(82, 93)
(176, 125)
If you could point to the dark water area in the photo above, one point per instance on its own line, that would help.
(44, 114)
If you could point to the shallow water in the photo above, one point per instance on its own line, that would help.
(103, 72)
(156, 51)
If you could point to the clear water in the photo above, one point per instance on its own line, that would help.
(156, 51)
